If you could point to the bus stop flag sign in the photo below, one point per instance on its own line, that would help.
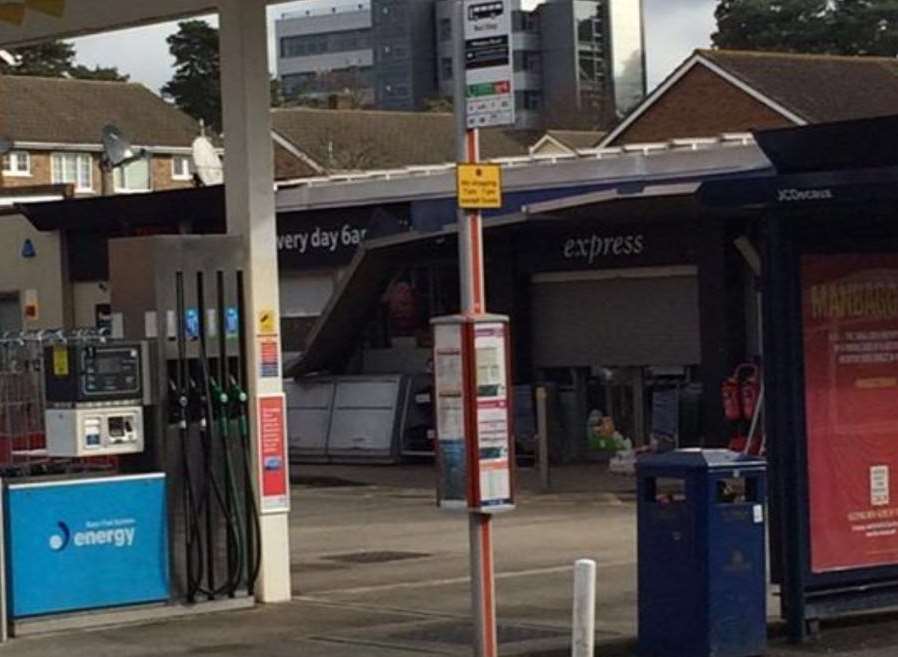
(488, 64)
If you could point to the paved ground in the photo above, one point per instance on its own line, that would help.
(378, 572)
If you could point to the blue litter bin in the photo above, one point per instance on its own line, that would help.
(702, 561)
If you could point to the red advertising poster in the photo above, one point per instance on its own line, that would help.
(273, 454)
(850, 316)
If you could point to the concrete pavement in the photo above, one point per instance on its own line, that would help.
(378, 572)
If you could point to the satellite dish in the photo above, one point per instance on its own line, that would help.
(116, 147)
(8, 58)
(206, 162)
(5, 145)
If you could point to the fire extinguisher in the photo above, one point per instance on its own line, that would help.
(732, 408)
(749, 389)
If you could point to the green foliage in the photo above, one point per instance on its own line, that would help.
(196, 85)
(438, 104)
(277, 93)
(784, 25)
(839, 27)
(105, 73)
(55, 59)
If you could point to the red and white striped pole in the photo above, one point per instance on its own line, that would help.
(473, 303)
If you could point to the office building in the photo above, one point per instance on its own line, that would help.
(577, 63)
(372, 53)
(595, 70)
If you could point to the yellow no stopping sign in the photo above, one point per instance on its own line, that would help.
(479, 186)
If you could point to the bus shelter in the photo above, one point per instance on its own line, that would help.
(828, 232)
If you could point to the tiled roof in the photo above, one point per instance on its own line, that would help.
(65, 111)
(817, 88)
(344, 140)
(576, 139)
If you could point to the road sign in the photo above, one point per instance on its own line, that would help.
(479, 186)
(489, 72)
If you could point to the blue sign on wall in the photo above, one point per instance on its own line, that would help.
(88, 544)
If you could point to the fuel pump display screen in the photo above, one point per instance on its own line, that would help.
(106, 364)
(110, 370)
(80, 373)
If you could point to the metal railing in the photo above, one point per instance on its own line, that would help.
(23, 443)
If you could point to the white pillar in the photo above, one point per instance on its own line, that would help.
(584, 626)
(249, 181)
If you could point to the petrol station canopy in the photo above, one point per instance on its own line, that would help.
(44, 20)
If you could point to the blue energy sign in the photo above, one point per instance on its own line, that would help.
(86, 544)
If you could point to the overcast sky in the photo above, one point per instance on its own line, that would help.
(673, 29)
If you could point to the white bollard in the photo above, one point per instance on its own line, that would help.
(584, 630)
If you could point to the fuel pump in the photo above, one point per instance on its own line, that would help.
(191, 311)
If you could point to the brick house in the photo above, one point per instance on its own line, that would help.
(716, 92)
(55, 127)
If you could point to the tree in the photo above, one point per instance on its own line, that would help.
(839, 27)
(782, 25)
(866, 27)
(277, 93)
(104, 73)
(196, 85)
(52, 59)
(336, 89)
(55, 59)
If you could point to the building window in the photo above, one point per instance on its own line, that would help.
(396, 90)
(532, 100)
(446, 68)
(445, 29)
(73, 169)
(533, 62)
(525, 21)
(133, 177)
(17, 163)
(319, 44)
(180, 168)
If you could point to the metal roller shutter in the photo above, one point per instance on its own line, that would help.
(611, 319)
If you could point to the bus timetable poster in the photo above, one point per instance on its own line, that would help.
(850, 335)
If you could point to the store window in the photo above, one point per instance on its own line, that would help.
(73, 169)
(133, 177)
(408, 303)
(17, 163)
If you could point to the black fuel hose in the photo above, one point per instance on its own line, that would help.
(193, 540)
(236, 552)
(254, 529)
(232, 523)
(193, 545)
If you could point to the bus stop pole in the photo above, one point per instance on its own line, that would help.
(471, 277)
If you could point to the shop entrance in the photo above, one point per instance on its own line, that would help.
(619, 348)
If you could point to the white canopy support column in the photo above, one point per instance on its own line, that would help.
(249, 176)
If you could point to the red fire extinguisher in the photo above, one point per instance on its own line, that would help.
(749, 390)
(732, 407)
